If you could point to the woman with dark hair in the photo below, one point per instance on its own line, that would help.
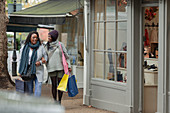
(55, 66)
(32, 55)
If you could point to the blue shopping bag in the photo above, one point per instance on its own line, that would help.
(72, 86)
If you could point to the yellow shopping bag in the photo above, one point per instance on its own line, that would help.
(63, 83)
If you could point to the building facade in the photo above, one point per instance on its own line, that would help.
(126, 55)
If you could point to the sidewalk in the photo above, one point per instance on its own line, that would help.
(72, 104)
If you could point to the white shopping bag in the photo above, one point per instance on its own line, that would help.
(45, 74)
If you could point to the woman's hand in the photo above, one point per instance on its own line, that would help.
(19, 74)
(43, 60)
(38, 63)
(69, 69)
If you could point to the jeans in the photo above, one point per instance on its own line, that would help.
(38, 86)
(29, 87)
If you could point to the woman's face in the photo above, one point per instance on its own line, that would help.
(34, 39)
(49, 38)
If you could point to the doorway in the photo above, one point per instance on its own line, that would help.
(150, 30)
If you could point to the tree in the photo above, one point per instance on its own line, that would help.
(5, 81)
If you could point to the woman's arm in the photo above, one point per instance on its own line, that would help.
(44, 57)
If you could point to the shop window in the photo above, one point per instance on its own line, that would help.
(110, 10)
(110, 36)
(121, 35)
(99, 36)
(99, 64)
(110, 40)
(99, 10)
(109, 65)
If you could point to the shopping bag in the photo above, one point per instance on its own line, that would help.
(63, 83)
(46, 77)
(21, 86)
(72, 86)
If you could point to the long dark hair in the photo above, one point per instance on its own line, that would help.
(29, 36)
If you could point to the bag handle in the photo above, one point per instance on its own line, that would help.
(65, 65)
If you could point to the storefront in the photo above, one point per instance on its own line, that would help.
(126, 64)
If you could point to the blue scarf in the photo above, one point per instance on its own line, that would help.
(25, 58)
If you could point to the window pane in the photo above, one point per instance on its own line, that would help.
(122, 36)
(99, 36)
(98, 64)
(110, 36)
(121, 67)
(110, 9)
(122, 60)
(110, 65)
(122, 9)
(99, 10)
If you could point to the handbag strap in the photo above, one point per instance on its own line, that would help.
(65, 65)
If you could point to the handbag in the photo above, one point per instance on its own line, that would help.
(28, 76)
(65, 65)
(72, 86)
(63, 83)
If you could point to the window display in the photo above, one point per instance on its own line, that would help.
(151, 32)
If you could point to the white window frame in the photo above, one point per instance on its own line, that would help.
(115, 51)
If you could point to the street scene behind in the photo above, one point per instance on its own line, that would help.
(64, 23)
(77, 56)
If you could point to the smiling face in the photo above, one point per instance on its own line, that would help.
(50, 38)
(33, 39)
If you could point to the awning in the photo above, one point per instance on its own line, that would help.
(49, 12)
(20, 28)
(26, 28)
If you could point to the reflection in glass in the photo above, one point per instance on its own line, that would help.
(99, 10)
(122, 36)
(98, 64)
(99, 36)
(110, 36)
